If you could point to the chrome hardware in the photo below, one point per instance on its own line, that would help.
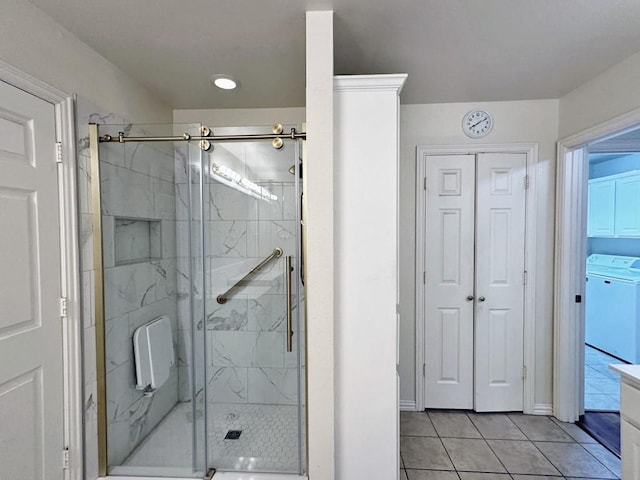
(469, 298)
(212, 138)
(277, 143)
(205, 131)
(481, 299)
(289, 269)
(277, 129)
(222, 298)
(205, 145)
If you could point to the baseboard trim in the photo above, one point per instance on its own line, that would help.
(407, 405)
(543, 409)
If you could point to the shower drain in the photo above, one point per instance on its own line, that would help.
(233, 435)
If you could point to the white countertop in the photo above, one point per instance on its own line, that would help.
(629, 373)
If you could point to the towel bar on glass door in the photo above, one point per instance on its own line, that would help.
(223, 297)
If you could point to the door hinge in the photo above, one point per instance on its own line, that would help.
(424, 369)
(424, 184)
(526, 181)
(58, 152)
(524, 372)
(63, 307)
(525, 277)
(424, 278)
(65, 459)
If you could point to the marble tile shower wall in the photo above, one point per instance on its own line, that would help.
(137, 183)
(246, 357)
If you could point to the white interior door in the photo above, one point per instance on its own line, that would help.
(449, 260)
(499, 315)
(31, 391)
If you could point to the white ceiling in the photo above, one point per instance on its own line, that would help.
(453, 50)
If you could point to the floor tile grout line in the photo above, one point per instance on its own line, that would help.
(557, 468)
(489, 445)
(442, 443)
(527, 438)
(536, 447)
(598, 460)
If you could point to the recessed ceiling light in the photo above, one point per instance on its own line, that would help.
(225, 82)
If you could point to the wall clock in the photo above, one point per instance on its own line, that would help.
(477, 123)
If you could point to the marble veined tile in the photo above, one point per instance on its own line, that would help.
(128, 287)
(231, 315)
(164, 200)
(227, 238)
(273, 385)
(126, 193)
(268, 312)
(271, 209)
(247, 349)
(264, 236)
(168, 240)
(226, 203)
(289, 201)
(120, 384)
(118, 343)
(227, 385)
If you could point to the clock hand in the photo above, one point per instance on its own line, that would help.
(476, 124)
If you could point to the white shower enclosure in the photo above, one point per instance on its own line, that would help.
(211, 239)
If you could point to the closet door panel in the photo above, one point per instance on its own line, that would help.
(449, 281)
(499, 314)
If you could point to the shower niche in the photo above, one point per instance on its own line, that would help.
(204, 233)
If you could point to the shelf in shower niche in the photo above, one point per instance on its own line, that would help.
(136, 240)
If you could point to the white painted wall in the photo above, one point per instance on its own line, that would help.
(319, 228)
(614, 92)
(238, 117)
(533, 121)
(365, 193)
(33, 42)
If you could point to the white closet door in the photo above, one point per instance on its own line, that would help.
(31, 396)
(499, 316)
(449, 281)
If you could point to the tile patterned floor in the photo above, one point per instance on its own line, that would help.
(268, 443)
(455, 445)
(601, 385)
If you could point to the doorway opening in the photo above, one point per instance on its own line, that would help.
(595, 274)
(612, 290)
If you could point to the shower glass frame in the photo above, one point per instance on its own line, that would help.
(196, 232)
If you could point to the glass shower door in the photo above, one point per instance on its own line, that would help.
(254, 379)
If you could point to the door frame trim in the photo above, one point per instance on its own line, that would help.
(570, 246)
(64, 105)
(531, 151)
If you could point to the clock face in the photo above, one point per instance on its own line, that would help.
(477, 123)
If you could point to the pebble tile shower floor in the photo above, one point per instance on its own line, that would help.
(454, 445)
(268, 441)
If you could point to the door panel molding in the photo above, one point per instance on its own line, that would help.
(64, 105)
(531, 152)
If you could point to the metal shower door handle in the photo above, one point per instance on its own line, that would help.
(289, 269)
(481, 299)
(469, 298)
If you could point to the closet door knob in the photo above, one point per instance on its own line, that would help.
(481, 299)
(469, 298)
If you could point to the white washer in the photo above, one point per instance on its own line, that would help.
(612, 305)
